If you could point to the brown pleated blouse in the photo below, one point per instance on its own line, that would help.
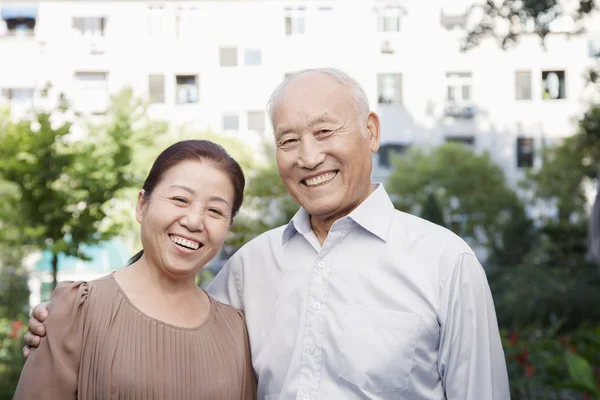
(100, 346)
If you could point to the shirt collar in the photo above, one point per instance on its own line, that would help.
(374, 214)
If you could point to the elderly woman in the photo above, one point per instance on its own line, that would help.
(147, 331)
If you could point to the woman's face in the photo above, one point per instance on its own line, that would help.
(186, 218)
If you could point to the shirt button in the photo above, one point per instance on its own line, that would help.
(311, 350)
(317, 306)
(321, 264)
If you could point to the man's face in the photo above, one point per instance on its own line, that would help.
(323, 146)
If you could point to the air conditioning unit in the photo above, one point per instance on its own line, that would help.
(97, 47)
(386, 47)
(459, 111)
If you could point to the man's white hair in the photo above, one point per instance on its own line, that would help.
(361, 102)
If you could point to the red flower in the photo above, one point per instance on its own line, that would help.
(587, 396)
(17, 325)
(573, 348)
(513, 338)
(522, 357)
(529, 370)
(564, 340)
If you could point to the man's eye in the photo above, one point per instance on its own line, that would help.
(289, 141)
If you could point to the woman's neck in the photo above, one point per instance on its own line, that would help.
(174, 300)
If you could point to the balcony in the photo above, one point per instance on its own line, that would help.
(459, 110)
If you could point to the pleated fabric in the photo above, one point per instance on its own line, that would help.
(125, 354)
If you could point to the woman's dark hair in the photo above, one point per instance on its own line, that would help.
(195, 150)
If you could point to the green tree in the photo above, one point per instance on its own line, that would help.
(470, 188)
(267, 203)
(507, 20)
(432, 211)
(62, 189)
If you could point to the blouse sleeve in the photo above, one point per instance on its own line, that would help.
(249, 381)
(51, 370)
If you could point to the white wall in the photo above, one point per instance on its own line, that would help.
(344, 37)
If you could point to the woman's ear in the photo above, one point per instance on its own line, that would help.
(140, 208)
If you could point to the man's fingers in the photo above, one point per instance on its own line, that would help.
(40, 312)
(25, 351)
(31, 340)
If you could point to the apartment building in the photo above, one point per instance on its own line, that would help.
(213, 64)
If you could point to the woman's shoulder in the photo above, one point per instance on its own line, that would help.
(223, 310)
(79, 291)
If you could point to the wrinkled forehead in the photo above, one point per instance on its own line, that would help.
(305, 100)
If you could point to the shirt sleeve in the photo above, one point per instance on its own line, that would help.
(227, 286)
(249, 379)
(51, 370)
(471, 359)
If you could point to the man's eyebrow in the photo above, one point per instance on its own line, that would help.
(315, 121)
(187, 189)
(282, 132)
(320, 119)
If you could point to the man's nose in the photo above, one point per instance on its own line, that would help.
(311, 154)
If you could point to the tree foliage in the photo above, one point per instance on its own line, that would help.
(507, 20)
(59, 189)
(470, 189)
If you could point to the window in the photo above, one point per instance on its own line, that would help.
(156, 16)
(553, 85)
(231, 122)
(89, 26)
(388, 19)
(228, 56)
(388, 151)
(458, 85)
(523, 85)
(294, 21)
(20, 20)
(92, 92)
(458, 95)
(594, 48)
(467, 139)
(525, 152)
(252, 57)
(19, 96)
(452, 21)
(389, 88)
(156, 85)
(256, 121)
(186, 21)
(187, 91)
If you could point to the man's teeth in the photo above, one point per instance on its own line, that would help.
(186, 243)
(321, 179)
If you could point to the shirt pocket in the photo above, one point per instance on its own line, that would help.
(378, 348)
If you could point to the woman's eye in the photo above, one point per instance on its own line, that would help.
(180, 200)
(216, 211)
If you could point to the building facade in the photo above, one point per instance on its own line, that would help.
(213, 64)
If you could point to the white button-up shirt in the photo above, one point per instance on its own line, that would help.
(390, 307)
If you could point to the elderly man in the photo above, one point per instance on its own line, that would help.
(353, 299)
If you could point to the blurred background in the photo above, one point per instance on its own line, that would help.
(490, 114)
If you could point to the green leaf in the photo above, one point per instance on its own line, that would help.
(581, 372)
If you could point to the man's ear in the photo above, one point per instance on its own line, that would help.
(140, 208)
(373, 127)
